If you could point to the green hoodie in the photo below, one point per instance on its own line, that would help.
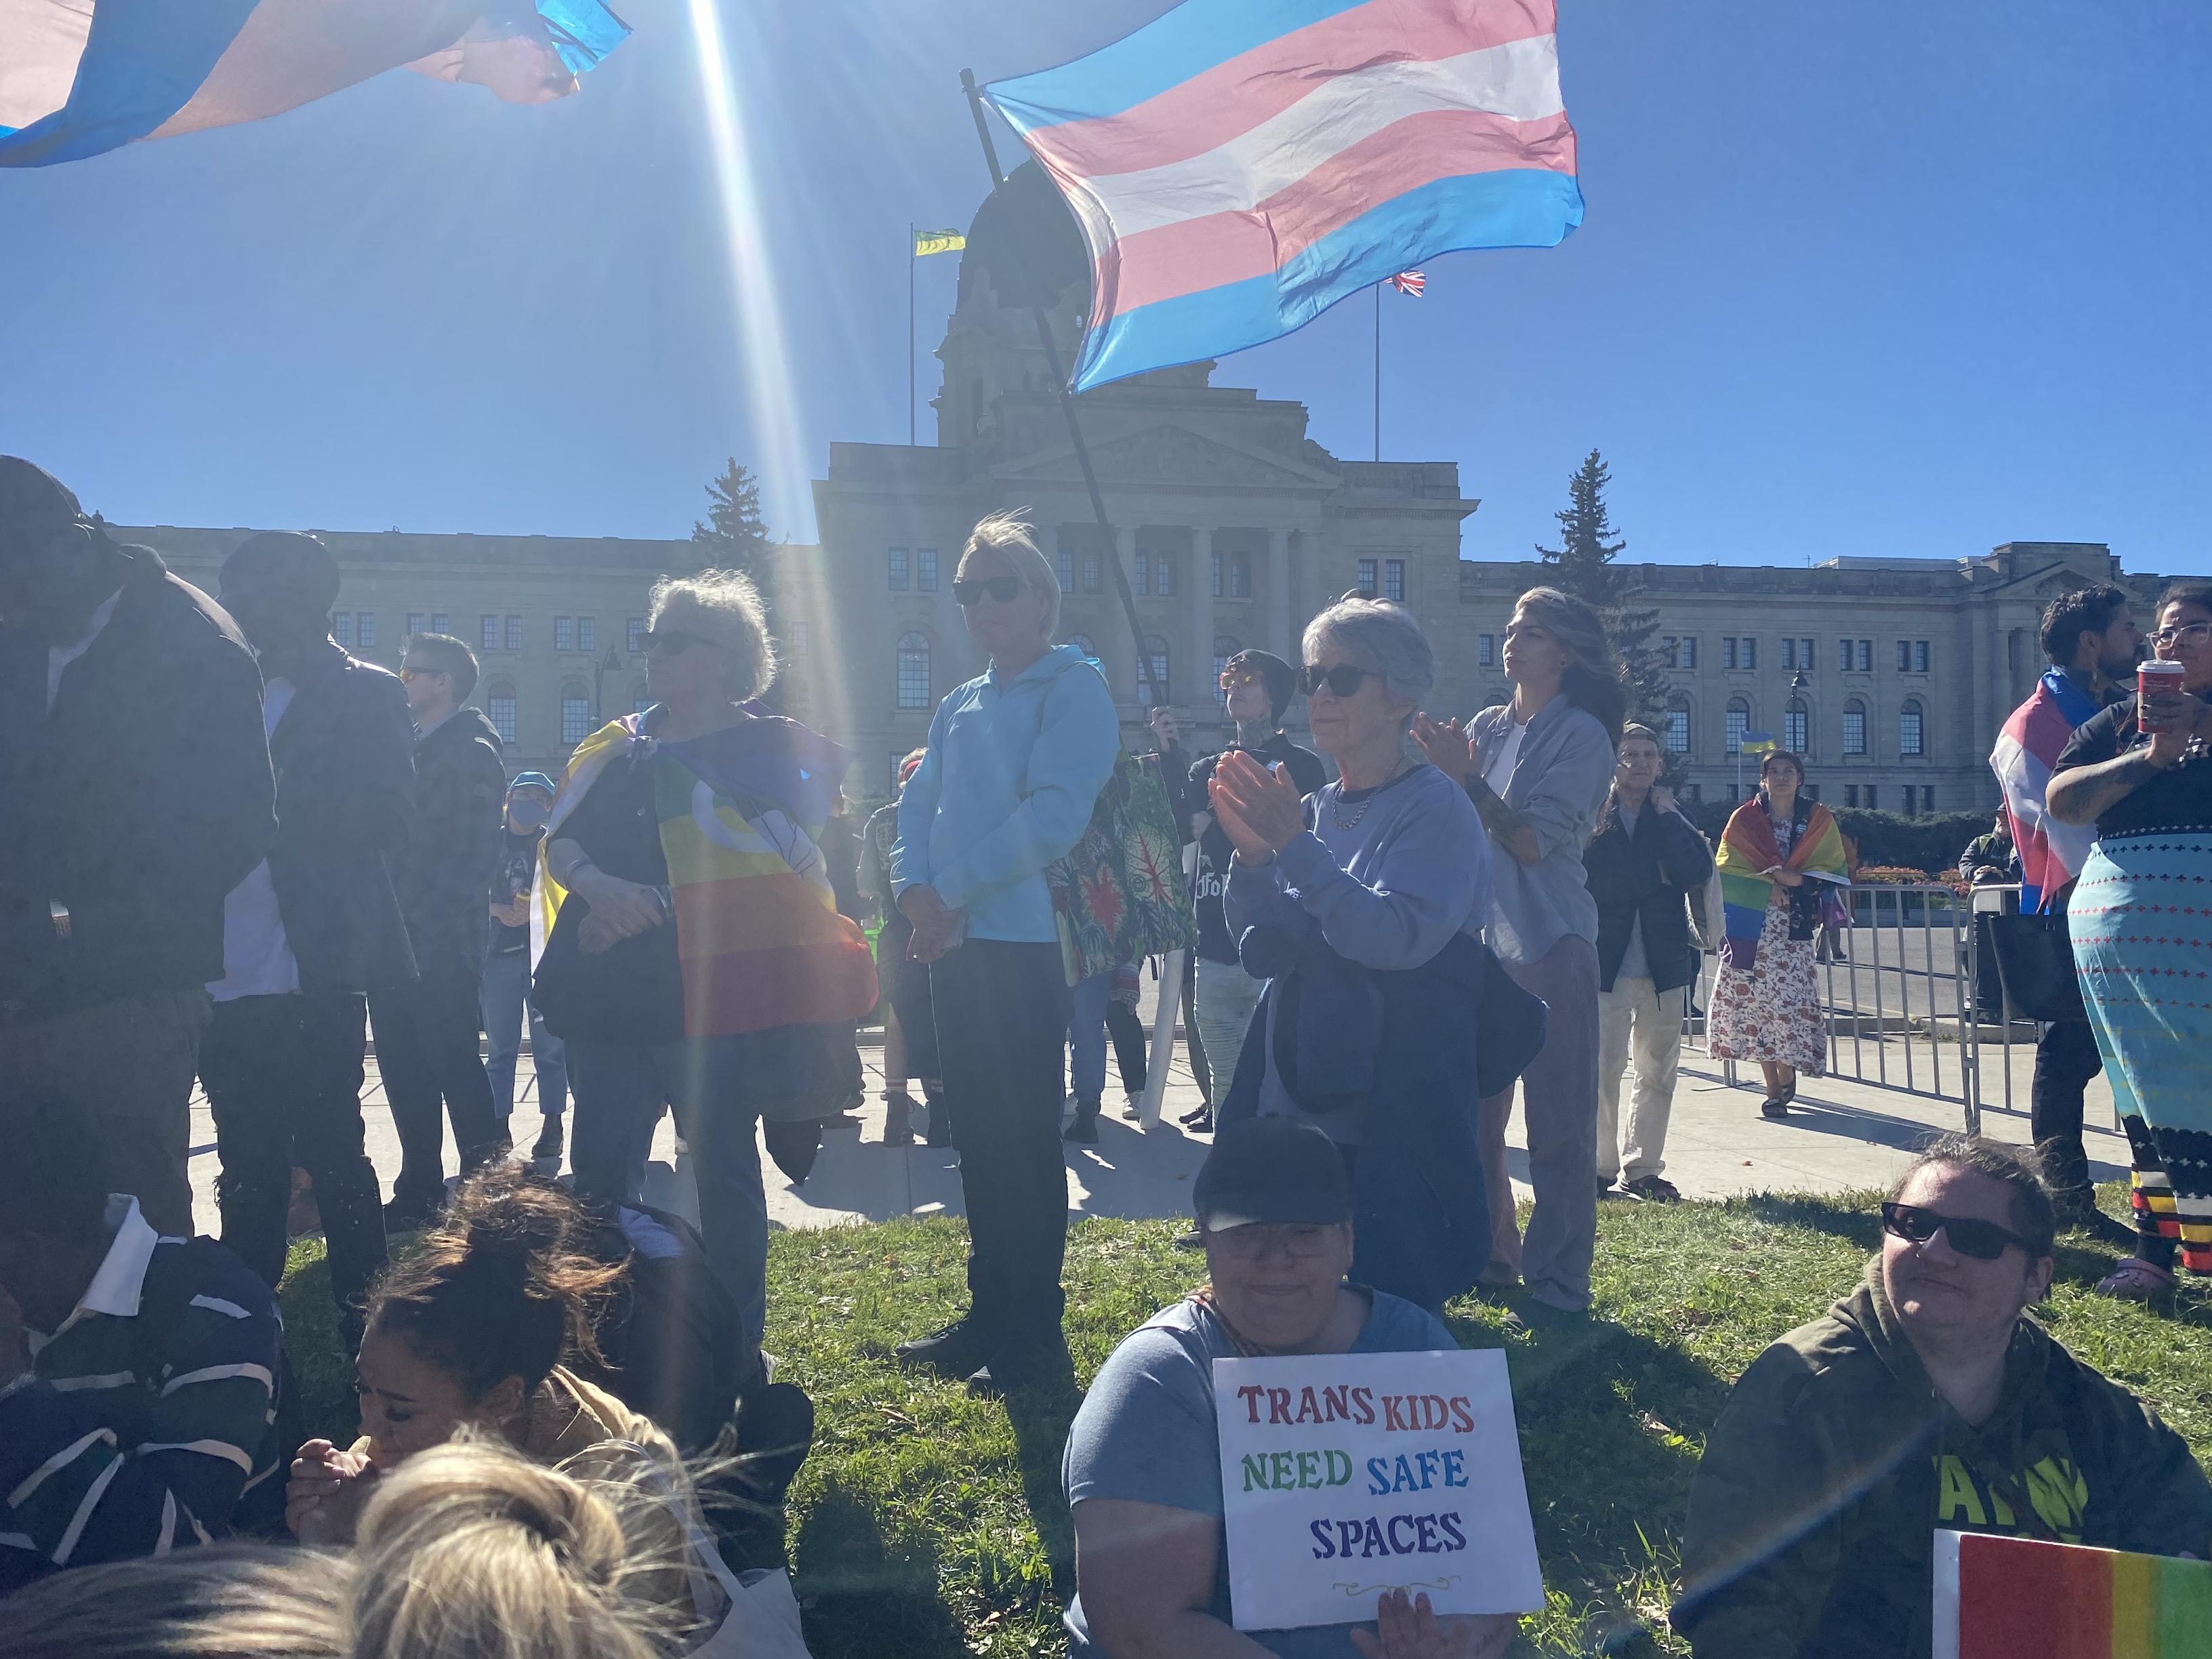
(1814, 1512)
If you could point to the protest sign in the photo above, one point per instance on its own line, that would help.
(2018, 1598)
(1343, 1475)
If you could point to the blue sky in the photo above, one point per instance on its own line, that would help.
(1877, 279)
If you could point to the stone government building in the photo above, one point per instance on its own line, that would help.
(1890, 675)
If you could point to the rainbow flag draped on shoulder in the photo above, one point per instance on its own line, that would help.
(1749, 850)
(758, 935)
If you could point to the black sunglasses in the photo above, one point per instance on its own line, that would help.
(1344, 679)
(669, 639)
(1004, 589)
(1984, 1241)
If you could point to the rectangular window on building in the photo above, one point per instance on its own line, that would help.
(415, 623)
(1368, 577)
(1793, 730)
(1065, 563)
(1485, 649)
(1854, 731)
(1689, 652)
(1727, 651)
(514, 633)
(1692, 791)
(1143, 580)
(1843, 655)
(575, 719)
(587, 634)
(499, 707)
(564, 637)
(1920, 656)
(1748, 653)
(1850, 794)
(342, 628)
(1091, 573)
(488, 632)
(1789, 653)
(1394, 580)
(1218, 592)
(633, 634)
(1872, 797)
(1240, 577)
(1677, 730)
(1927, 797)
(925, 569)
(1739, 721)
(898, 570)
(1904, 656)
(1805, 654)
(440, 623)
(1866, 657)
(364, 629)
(1909, 732)
(1163, 575)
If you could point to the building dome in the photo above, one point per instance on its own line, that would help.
(1028, 243)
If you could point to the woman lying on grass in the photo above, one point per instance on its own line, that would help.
(1143, 1467)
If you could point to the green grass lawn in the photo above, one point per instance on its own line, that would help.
(926, 1524)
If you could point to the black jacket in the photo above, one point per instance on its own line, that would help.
(345, 786)
(460, 832)
(139, 802)
(1650, 876)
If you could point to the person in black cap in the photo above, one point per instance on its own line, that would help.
(134, 793)
(1143, 1466)
(1257, 687)
(311, 930)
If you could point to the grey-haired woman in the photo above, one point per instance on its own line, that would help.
(1538, 769)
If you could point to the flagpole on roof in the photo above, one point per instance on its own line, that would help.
(1146, 677)
(1378, 371)
(909, 334)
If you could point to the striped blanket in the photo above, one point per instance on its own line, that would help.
(758, 935)
(1749, 850)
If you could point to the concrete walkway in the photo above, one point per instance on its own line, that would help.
(1843, 1134)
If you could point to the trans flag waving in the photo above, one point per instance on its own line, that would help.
(1239, 166)
(78, 78)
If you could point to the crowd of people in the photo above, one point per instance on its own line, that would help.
(236, 847)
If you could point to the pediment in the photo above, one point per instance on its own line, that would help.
(1169, 453)
(2063, 580)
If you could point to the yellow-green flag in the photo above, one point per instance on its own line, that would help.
(939, 241)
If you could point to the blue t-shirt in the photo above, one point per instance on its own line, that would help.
(1147, 1432)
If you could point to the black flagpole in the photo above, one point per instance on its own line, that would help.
(1145, 675)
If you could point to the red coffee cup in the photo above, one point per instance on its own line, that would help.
(2154, 681)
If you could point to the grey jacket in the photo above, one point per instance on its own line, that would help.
(1559, 783)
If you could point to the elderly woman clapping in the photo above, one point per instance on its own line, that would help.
(1363, 908)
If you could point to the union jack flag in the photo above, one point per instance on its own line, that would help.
(1409, 282)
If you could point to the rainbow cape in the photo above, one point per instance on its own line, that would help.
(757, 931)
(2018, 1598)
(1747, 851)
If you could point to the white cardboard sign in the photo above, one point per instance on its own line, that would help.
(1346, 1475)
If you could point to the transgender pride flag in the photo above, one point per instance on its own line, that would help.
(1240, 166)
(81, 76)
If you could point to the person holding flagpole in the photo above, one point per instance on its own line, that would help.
(1780, 853)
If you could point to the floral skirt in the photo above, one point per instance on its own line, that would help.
(1772, 1011)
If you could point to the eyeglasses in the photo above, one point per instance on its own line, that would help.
(1984, 1241)
(669, 641)
(970, 591)
(1302, 1240)
(409, 676)
(1344, 679)
(1235, 678)
(2190, 631)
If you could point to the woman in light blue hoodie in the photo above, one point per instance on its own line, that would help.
(1015, 762)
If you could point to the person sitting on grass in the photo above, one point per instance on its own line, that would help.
(1143, 1465)
(138, 1374)
(1926, 1398)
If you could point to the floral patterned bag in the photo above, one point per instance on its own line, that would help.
(1119, 895)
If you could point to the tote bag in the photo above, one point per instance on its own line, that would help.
(2035, 960)
(1120, 894)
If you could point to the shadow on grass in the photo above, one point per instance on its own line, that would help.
(864, 1597)
(1041, 1417)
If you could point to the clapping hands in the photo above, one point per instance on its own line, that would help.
(1258, 807)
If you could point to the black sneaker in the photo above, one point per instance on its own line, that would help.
(545, 1156)
(1085, 1125)
(956, 1350)
(1653, 1189)
(407, 1215)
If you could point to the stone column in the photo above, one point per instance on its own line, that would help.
(1279, 597)
(1200, 694)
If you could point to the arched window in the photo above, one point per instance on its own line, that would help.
(1225, 647)
(1794, 720)
(1911, 736)
(1738, 722)
(1854, 727)
(1677, 729)
(1082, 642)
(640, 699)
(576, 712)
(499, 708)
(1156, 654)
(913, 671)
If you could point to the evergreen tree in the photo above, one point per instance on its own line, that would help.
(1588, 544)
(734, 533)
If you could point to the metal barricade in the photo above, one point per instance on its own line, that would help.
(1910, 1000)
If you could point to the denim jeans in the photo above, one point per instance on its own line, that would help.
(506, 995)
(618, 1089)
(1086, 1038)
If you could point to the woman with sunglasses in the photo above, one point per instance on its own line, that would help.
(1926, 1400)
(1538, 769)
(696, 956)
(2140, 771)
(1013, 767)
(1363, 907)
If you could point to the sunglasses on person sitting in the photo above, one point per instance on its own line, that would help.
(669, 641)
(1984, 1241)
(1344, 679)
(970, 590)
